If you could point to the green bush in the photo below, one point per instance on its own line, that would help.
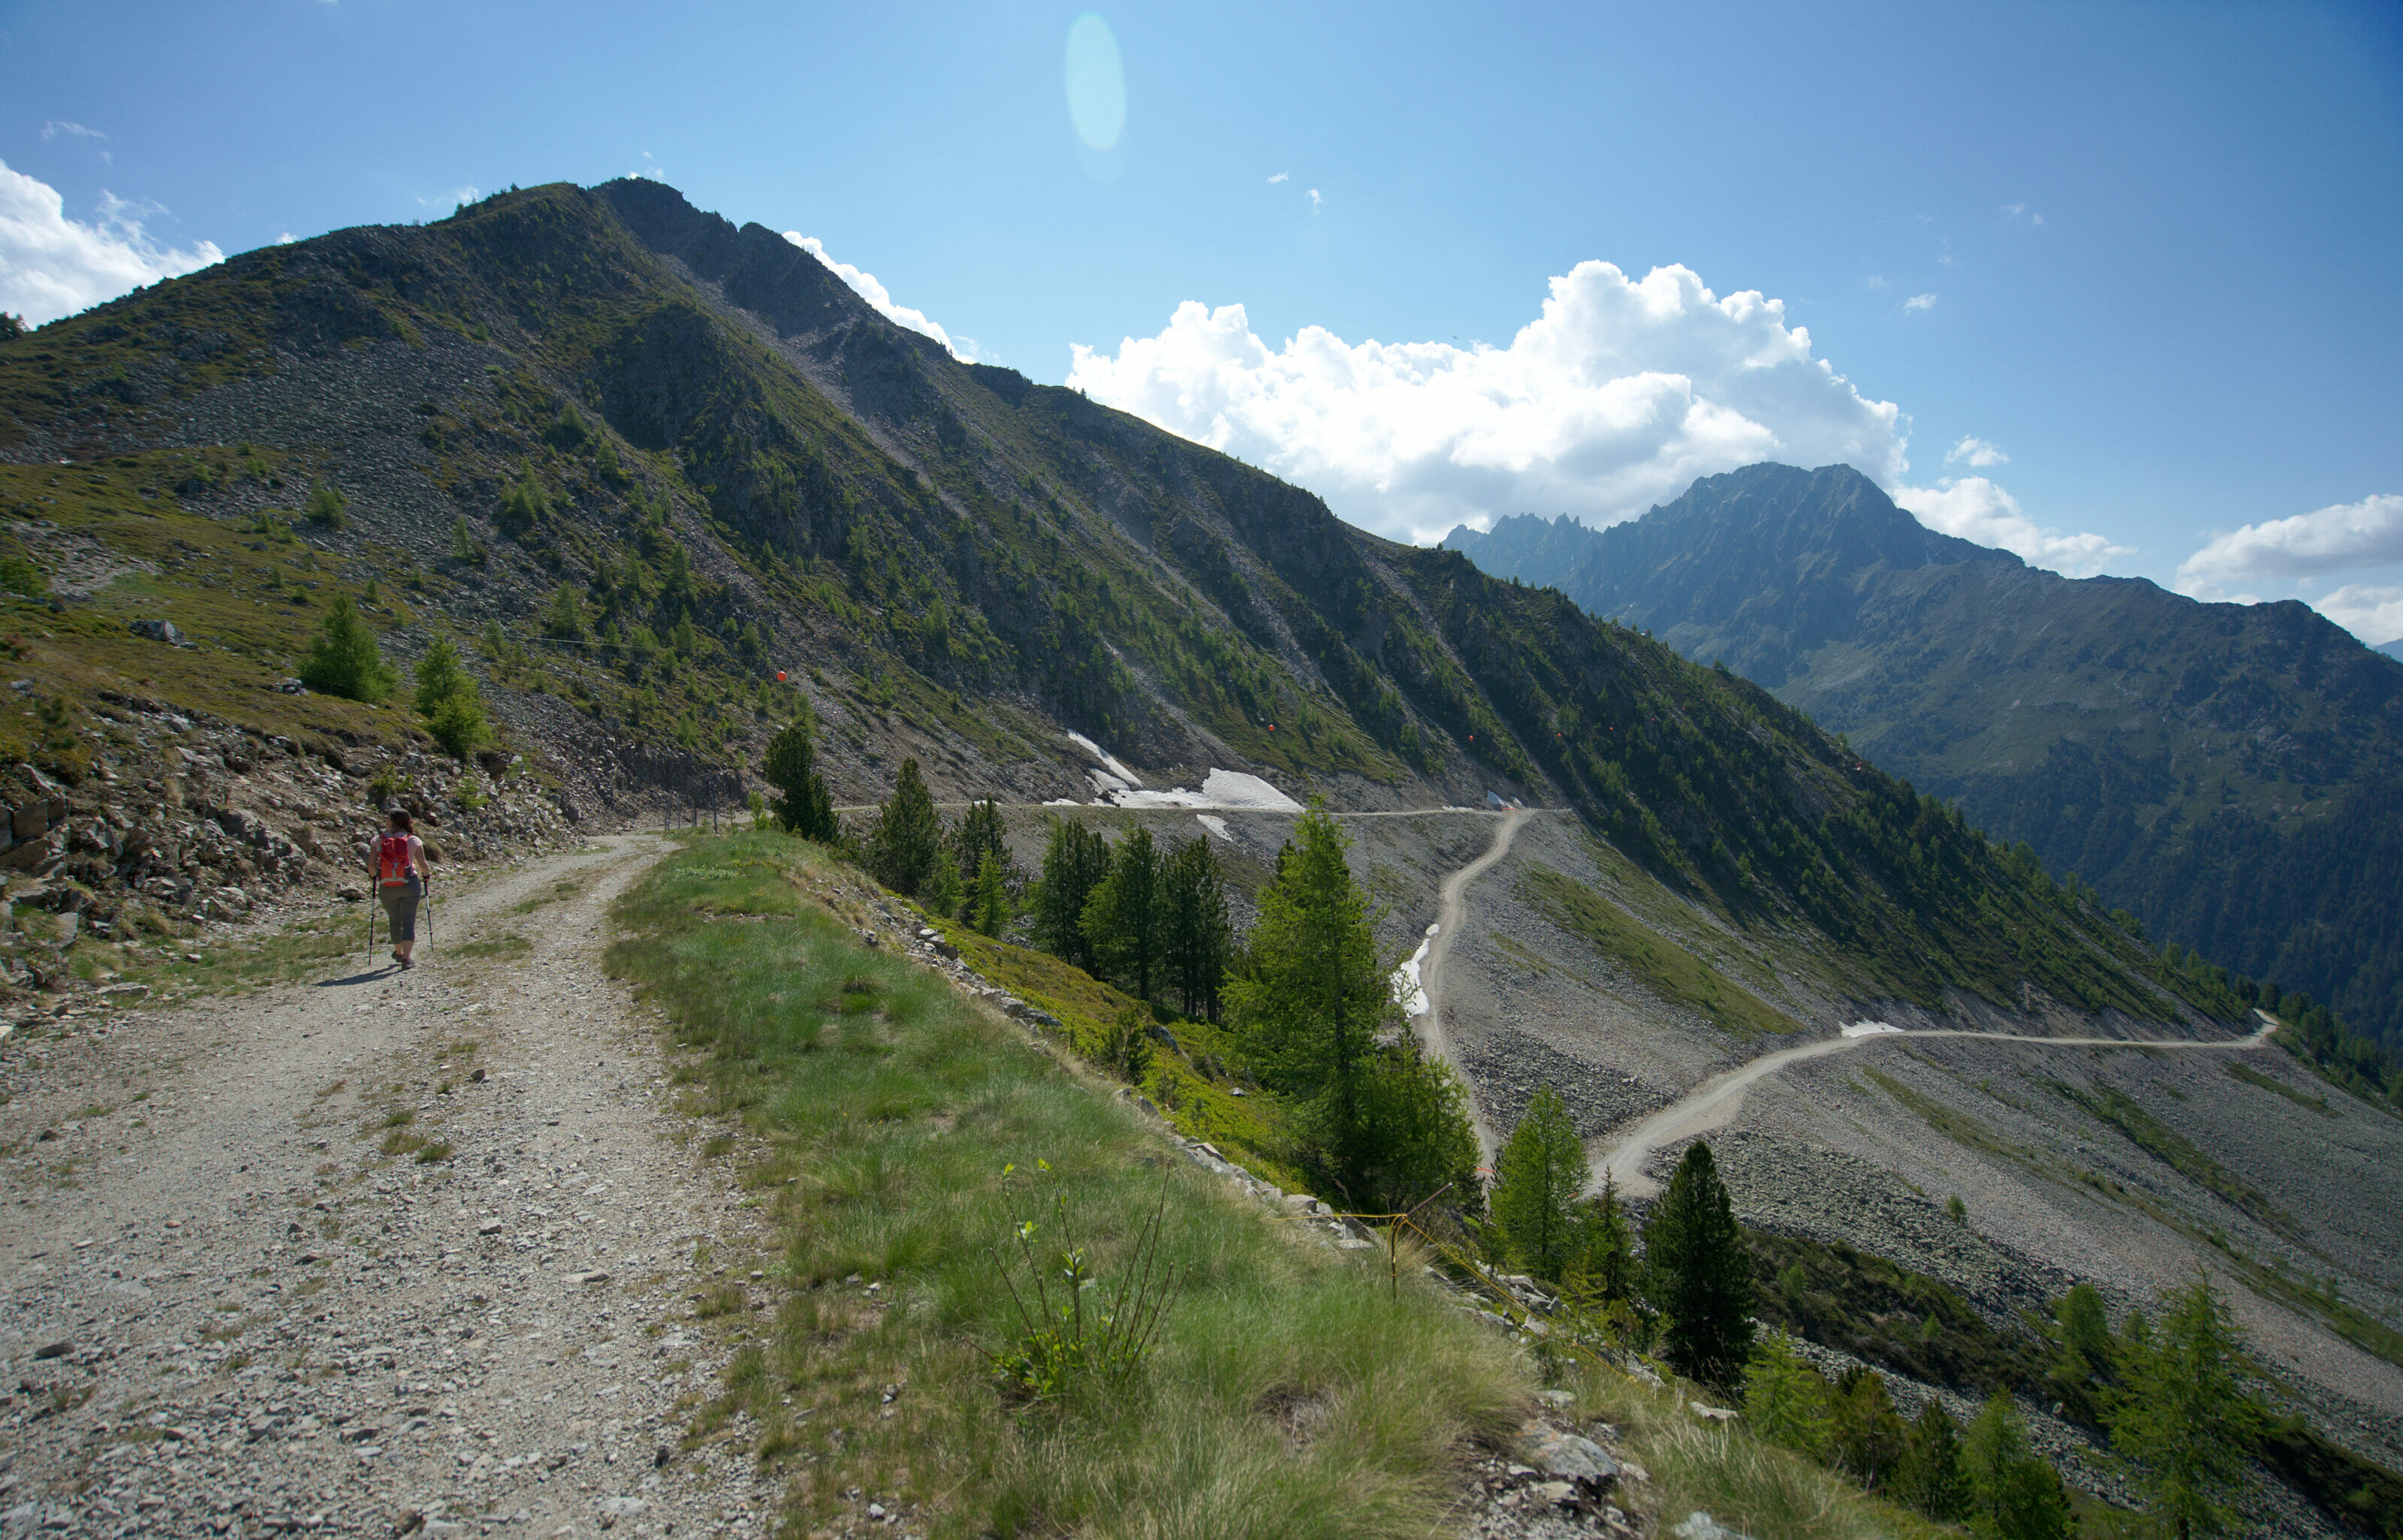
(1698, 1273)
(803, 804)
(326, 507)
(449, 700)
(344, 659)
(18, 574)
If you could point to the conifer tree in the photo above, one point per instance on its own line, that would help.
(1122, 917)
(1930, 1477)
(1698, 1275)
(905, 841)
(344, 659)
(1316, 997)
(2183, 1420)
(2014, 1495)
(1074, 860)
(803, 804)
(1419, 1137)
(1536, 1179)
(1195, 935)
(1785, 1397)
(1607, 1245)
(988, 906)
(1864, 1434)
(449, 700)
(981, 834)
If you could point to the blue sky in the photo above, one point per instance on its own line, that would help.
(2149, 244)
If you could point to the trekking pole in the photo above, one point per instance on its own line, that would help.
(371, 908)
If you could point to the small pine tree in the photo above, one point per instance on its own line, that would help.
(1700, 1276)
(1419, 1137)
(1865, 1435)
(1929, 1476)
(1607, 1245)
(1785, 1397)
(989, 909)
(1122, 917)
(344, 659)
(981, 834)
(562, 618)
(1537, 1177)
(1196, 938)
(803, 804)
(495, 645)
(523, 506)
(2013, 1494)
(326, 507)
(944, 891)
(2184, 1420)
(1126, 1049)
(904, 844)
(605, 463)
(462, 546)
(1074, 860)
(449, 700)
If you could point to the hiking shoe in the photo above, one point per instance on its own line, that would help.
(407, 963)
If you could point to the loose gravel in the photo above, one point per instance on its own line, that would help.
(229, 1311)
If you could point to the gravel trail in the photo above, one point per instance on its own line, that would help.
(1714, 1103)
(1429, 1024)
(230, 1310)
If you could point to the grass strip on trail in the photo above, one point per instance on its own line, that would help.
(1288, 1393)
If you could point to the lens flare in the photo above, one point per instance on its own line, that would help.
(1096, 83)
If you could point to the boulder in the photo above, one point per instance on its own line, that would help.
(1569, 1456)
(158, 630)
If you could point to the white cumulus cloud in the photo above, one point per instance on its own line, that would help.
(52, 266)
(1973, 508)
(2348, 536)
(1979, 452)
(1280, 176)
(2371, 611)
(867, 288)
(1615, 397)
(1920, 301)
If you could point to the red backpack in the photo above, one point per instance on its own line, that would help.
(392, 860)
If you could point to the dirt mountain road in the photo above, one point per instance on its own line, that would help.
(1429, 1024)
(236, 1300)
(1714, 1103)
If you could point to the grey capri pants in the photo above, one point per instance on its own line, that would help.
(401, 908)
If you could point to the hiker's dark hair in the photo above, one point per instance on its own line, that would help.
(400, 820)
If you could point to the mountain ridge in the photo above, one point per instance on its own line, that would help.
(2216, 768)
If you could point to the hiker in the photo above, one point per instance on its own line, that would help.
(401, 878)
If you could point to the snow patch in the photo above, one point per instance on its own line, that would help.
(1216, 826)
(1870, 1029)
(1410, 990)
(1108, 761)
(1230, 789)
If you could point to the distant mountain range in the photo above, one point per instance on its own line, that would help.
(2232, 775)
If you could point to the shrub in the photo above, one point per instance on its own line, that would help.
(326, 507)
(344, 659)
(523, 506)
(562, 618)
(18, 574)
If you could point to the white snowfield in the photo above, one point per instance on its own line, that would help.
(1871, 1029)
(1116, 786)
(1216, 826)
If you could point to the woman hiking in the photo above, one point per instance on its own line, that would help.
(401, 877)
